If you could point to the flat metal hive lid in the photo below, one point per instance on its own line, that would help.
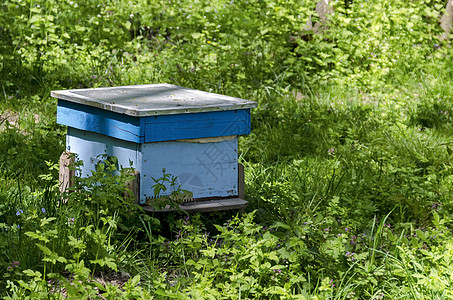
(152, 99)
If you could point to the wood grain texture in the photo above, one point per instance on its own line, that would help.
(152, 99)
(66, 175)
(197, 125)
(241, 183)
(134, 187)
(206, 206)
(100, 121)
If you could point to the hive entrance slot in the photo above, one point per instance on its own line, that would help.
(183, 197)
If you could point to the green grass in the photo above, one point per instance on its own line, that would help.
(348, 167)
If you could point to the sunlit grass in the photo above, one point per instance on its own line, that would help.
(348, 166)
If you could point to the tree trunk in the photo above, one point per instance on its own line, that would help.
(446, 20)
(323, 9)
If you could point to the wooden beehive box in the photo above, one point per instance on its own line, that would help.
(191, 134)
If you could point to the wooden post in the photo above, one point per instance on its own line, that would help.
(323, 9)
(241, 186)
(66, 177)
(134, 186)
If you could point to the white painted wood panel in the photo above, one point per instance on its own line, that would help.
(206, 170)
(89, 146)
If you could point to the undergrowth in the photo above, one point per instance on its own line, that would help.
(348, 167)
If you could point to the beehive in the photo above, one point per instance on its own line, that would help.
(191, 134)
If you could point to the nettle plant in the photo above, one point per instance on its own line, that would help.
(167, 193)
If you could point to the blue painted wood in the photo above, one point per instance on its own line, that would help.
(197, 125)
(206, 170)
(153, 128)
(101, 121)
(89, 146)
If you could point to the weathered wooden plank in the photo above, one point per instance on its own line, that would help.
(134, 187)
(158, 133)
(203, 118)
(66, 175)
(100, 121)
(152, 99)
(197, 125)
(156, 128)
(205, 206)
(241, 183)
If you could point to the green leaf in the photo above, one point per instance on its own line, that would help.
(190, 262)
(273, 256)
(196, 35)
(44, 249)
(46, 221)
(135, 280)
(278, 267)
(36, 19)
(449, 151)
(420, 234)
(111, 264)
(62, 259)
(219, 228)
(280, 225)
(37, 236)
(31, 273)
(78, 244)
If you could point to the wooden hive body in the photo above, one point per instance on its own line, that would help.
(191, 134)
